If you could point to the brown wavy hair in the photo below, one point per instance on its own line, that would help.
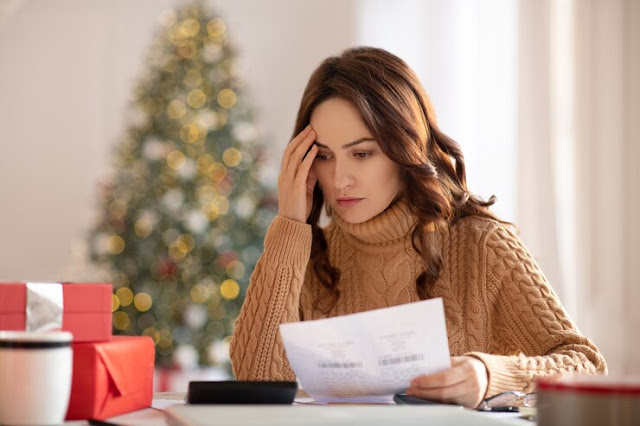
(396, 109)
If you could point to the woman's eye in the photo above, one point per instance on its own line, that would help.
(362, 155)
(323, 156)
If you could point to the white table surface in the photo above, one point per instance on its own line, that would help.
(156, 416)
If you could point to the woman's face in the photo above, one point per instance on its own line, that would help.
(358, 180)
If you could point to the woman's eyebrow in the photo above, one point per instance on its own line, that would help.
(348, 145)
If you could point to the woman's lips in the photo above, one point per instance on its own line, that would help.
(348, 202)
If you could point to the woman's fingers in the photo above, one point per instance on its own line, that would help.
(295, 142)
(464, 383)
(447, 377)
(307, 162)
(298, 154)
(312, 179)
(455, 393)
(295, 176)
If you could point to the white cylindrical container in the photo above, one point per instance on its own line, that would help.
(35, 377)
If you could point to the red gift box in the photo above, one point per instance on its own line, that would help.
(111, 378)
(86, 309)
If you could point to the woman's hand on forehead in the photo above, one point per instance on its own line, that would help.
(296, 180)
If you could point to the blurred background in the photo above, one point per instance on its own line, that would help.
(543, 97)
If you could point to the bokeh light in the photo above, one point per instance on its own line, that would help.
(227, 98)
(125, 296)
(196, 98)
(229, 289)
(121, 320)
(232, 157)
(175, 159)
(115, 244)
(142, 302)
(143, 227)
(216, 27)
(115, 303)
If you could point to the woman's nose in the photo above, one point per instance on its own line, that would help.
(342, 176)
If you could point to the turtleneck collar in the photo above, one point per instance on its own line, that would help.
(393, 224)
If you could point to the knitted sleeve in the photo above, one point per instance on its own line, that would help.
(529, 319)
(273, 298)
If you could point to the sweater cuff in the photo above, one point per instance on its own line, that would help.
(503, 372)
(287, 242)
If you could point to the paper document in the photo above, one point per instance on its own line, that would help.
(368, 355)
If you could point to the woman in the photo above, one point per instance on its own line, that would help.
(404, 227)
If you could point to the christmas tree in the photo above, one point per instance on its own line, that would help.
(183, 215)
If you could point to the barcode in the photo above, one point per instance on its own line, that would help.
(340, 364)
(401, 359)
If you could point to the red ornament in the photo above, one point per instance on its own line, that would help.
(225, 258)
(167, 268)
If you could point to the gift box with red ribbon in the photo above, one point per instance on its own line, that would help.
(111, 378)
(82, 309)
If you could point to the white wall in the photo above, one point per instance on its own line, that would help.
(67, 69)
(607, 157)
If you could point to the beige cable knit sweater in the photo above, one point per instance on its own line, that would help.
(498, 304)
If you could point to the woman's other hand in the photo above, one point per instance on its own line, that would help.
(465, 383)
(297, 180)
